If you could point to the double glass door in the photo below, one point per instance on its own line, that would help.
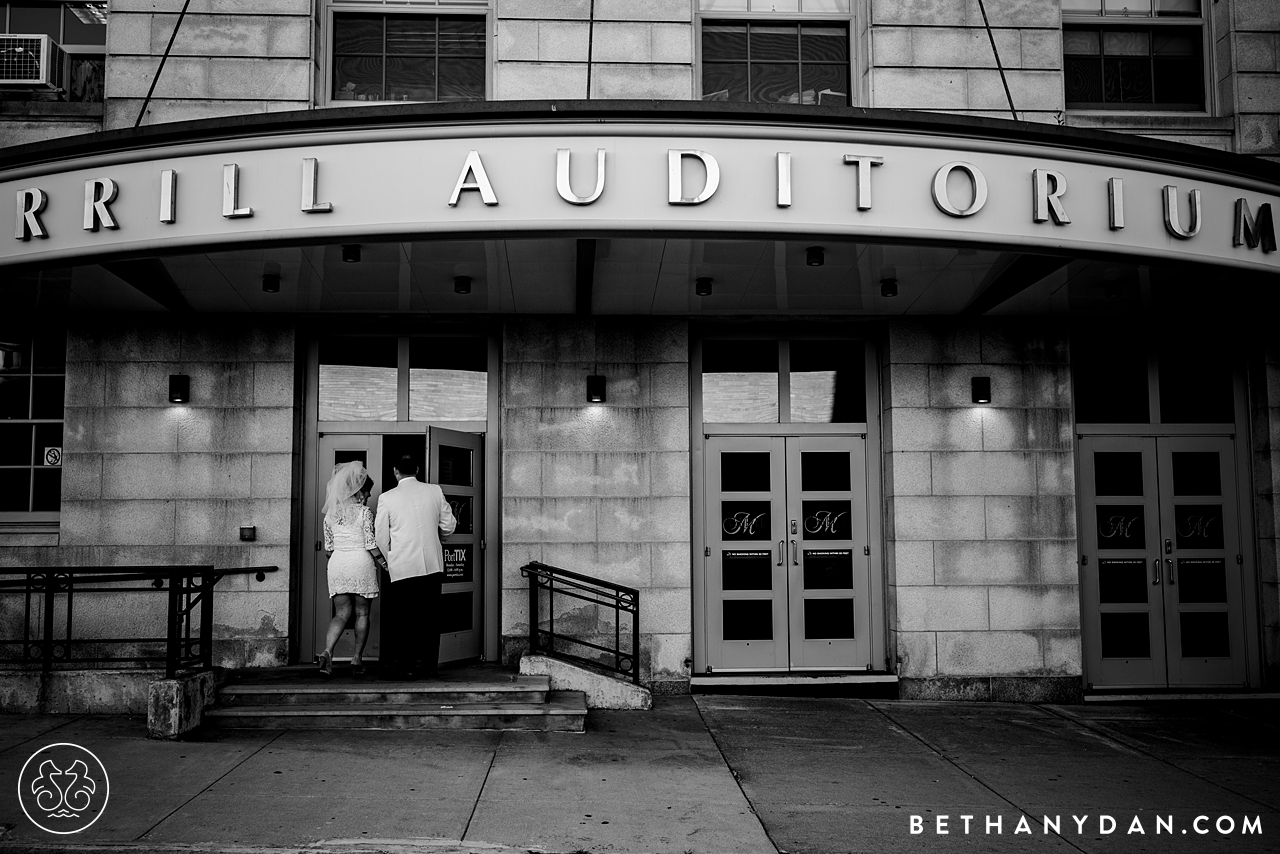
(1161, 563)
(788, 569)
(454, 461)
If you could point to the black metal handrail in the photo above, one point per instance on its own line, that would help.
(596, 591)
(189, 587)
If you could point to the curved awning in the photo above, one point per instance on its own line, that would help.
(507, 192)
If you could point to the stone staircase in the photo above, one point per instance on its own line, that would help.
(480, 697)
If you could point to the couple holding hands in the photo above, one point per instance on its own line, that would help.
(404, 541)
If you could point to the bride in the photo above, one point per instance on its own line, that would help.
(354, 559)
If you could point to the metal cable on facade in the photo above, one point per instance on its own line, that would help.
(986, 23)
(163, 58)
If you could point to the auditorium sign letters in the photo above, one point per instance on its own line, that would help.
(512, 180)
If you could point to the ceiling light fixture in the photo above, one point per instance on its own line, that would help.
(1112, 282)
(888, 281)
(271, 277)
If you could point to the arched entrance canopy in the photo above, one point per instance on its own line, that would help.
(562, 170)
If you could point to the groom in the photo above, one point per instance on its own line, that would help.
(411, 519)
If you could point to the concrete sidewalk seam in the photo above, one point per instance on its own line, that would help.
(44, 734)
(493, 758)
(1120, 738)
(142, 837)
(737, 781)
(954, 764)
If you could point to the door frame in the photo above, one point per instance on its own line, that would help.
(871, 432)
(1245, 509)
(306, 477)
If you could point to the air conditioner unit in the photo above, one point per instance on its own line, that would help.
(30, 62)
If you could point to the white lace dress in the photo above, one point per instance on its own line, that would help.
(348, 533)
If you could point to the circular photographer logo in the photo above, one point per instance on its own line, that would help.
(63, 788)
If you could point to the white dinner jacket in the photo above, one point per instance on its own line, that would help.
(405, 528)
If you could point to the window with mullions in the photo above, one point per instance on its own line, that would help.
(408, 58)
(775, 62)
(1123, 376)
(32, 386)
(403, 379)
(791, 382)
(79, 29)
(1133, 55)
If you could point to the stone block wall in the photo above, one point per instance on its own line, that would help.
(147, 482)
(557, 49)
(600, 489)
(980, 511)
(230, 58)
(936, 55)
(1247, 73)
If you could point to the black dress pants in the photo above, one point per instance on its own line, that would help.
(410, 631)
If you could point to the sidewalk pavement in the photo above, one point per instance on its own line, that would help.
(701, 774)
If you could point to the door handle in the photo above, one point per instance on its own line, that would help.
(795, 553)
(782, 551)
(1157, 569)
(1169, 566)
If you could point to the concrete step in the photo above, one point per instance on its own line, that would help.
(517, 689)
(563, 711)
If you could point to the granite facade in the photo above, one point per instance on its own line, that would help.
(600, 490)
(980, 507)
(147, 482)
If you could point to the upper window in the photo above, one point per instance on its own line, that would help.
(79, 30)
(32, 384)
(749, 55)
(409, 57)
(1134, 55)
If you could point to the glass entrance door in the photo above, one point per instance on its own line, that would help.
(788, 571)
(335, 449)
(455, 461)
(1161, 564)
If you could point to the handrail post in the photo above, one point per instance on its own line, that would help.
(173, 645)
(635, 641)
(46, 654)
(207, 580)
(533, 612)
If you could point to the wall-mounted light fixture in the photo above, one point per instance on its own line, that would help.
(889, 281)
(248, 533)
(351, 253)
(702, 286)
(179, 388)
(462, 284)
(981, 387)
(596, 388)
(814, 256)
(271, 277)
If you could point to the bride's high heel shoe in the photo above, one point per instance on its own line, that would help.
(325, 662)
